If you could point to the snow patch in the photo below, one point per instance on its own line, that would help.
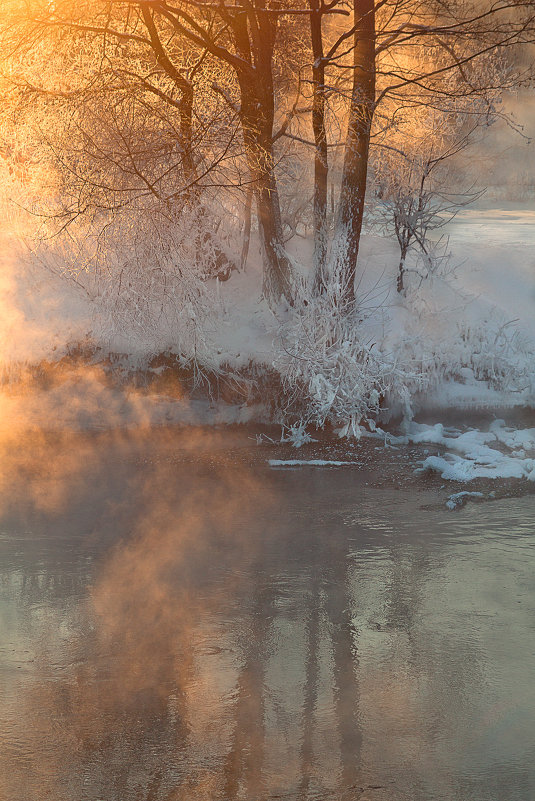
(471, 453)
(458, 499)
(309, 463)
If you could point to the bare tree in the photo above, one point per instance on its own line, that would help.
(170, 86)
(398, 54)
(412, 181)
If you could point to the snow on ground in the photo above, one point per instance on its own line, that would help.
(477, 319)
(497, 246)
(458, 499)
(500, 452)
(309, 463)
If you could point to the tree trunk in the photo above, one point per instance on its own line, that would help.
(246, 229)
(222, 266)
(404, 236)
(353, 190)
(277, 281)
(257, 115)
(401, 273)
(321, 169)
(277, 277)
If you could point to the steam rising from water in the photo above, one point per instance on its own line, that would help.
(126, 688)
(176, 626)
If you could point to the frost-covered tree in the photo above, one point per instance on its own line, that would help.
(170, 103)
(399, 55)
(89, 93)
(411, 181)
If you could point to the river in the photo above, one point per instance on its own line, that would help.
(177, 623)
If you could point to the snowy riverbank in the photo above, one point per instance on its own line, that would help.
(461, 341)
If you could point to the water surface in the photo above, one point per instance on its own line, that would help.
(175, 625)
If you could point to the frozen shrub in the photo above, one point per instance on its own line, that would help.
(296, 434)
(331, 372)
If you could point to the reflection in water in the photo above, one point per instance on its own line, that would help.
(179, 628)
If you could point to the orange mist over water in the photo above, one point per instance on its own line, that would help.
(135, 676)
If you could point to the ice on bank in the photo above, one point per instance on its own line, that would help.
(500, 452)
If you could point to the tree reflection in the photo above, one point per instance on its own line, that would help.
(217, 644)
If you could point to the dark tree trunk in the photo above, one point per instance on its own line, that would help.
(186, 91)
(321, 168)
(401, 274)
(277, 280)
(257, 116)
(353, 190)
(404, 237)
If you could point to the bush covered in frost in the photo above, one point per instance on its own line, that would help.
(338, 368)
(332, 371)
